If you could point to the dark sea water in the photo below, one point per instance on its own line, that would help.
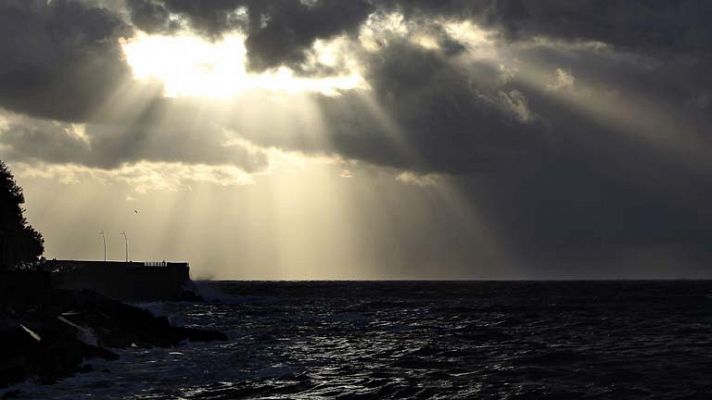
(429, 340)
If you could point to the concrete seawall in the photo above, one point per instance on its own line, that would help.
(130, 281)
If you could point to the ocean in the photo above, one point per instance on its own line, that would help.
(422, 340)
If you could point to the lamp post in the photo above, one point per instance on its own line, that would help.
(126, 243)
(103, 236)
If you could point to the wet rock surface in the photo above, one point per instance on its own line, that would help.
(47, 333)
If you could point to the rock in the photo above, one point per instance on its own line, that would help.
(116, 324)
(50, 333)
(17, 348)
(47, 350)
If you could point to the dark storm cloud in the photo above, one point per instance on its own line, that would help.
(447, 122)
(151, 17)
(638, 24)
(289, 27)
(279, 32)
(210, 17)
(654, 24)
(60, 59)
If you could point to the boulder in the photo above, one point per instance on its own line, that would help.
(46, 350)
(49, 333)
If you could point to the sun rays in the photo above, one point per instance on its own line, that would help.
(296, 216)
(342, 160)
(191, 66)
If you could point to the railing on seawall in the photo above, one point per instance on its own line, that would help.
(164, 264)
(155, 264)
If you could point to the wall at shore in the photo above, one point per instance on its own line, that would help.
(126, 281)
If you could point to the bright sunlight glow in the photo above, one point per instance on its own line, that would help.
(190, 66)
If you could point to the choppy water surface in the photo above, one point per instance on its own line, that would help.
(442, 340)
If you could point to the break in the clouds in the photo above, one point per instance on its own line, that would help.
(580, 130)
(278, 32)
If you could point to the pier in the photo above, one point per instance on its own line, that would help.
(125, 280)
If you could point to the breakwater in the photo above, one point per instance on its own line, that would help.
(128, 281)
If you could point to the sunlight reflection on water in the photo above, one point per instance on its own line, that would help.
(424, 340)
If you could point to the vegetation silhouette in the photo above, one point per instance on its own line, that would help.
(20, 244)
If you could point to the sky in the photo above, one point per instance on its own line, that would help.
(364, 139)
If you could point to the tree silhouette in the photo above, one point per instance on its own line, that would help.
(20, 244)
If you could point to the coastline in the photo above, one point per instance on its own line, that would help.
(46, 332)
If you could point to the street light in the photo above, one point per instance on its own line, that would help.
(104, 238)
(126, 242)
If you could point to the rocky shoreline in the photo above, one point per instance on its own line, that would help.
(47, 333)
